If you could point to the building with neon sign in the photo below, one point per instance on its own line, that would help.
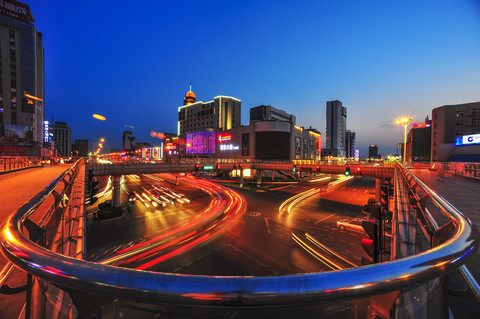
(200, 143)
(22, 83)
(419, 142)
(450, 122)
(269, 140)
(222, 113)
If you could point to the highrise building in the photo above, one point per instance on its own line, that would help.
(270, 113)
(373, 152)
(223, 113)
(349, 144)
(21, 72)
(336, 127)
(128, 140)
(62, 137)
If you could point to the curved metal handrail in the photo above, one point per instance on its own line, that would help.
(147, 286)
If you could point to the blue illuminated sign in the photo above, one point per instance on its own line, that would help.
(468, 140)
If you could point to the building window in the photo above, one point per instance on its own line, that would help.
(435, 135)
(458, 123)
(475, 111)
(435, 116)
(475, 122)
(459, 133)
(460, 113)
(475, 131)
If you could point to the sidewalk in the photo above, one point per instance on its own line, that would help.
(17, 188)
(464, 194)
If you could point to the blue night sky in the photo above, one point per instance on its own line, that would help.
(132, 61)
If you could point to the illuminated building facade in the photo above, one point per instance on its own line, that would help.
(155, 153)
(450, 122)
(201, 143)
(350, 144)
(222, 113)
(336, 128)
(269, 140)
(21, 72)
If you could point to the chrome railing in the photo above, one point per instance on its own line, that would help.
(153, 287)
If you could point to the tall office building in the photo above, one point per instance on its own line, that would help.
(62, 137)
(21, 72)
(270, 113)
(223, 113)
(349, 144)
(336, 127)
(373, 152)
(128, 140)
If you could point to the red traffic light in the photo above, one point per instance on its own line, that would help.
(369, 247)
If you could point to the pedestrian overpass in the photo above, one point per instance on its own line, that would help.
(411, 285)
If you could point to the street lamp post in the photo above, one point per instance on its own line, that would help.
(100, 146)
(405, 121)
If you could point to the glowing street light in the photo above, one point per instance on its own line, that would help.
(405, 121)
(99, 117)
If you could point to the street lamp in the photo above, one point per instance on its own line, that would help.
(405, 121)
(100, 146)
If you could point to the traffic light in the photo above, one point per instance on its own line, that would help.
(218, 167)
(318, 168)
(359, 171)
(235, 166)
(347, 171)
(197, 167)
(370, 244)
(384, 194)
(92, 187)
(294, 168)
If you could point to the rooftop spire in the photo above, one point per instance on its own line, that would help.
(190, 86)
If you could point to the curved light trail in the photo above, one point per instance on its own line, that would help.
(225, 208)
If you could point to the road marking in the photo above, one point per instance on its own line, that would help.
(326, 217)
(254, 214)
(268, 226)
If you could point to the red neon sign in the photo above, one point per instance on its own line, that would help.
(170, 146)
(224, 138)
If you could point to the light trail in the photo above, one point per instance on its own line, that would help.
(189, 230)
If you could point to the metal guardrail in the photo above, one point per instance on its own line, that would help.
(441, 203)
(147, 286)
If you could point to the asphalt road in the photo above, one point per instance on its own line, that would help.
(262, 242)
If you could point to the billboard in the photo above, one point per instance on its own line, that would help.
(298, 147)
(201, 143)
(16, 10)
(272, 145)
(246, 144)
(468, 139)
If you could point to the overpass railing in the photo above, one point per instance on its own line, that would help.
(11, 163)
(364, 291)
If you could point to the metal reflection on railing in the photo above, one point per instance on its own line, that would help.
(71, 273)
